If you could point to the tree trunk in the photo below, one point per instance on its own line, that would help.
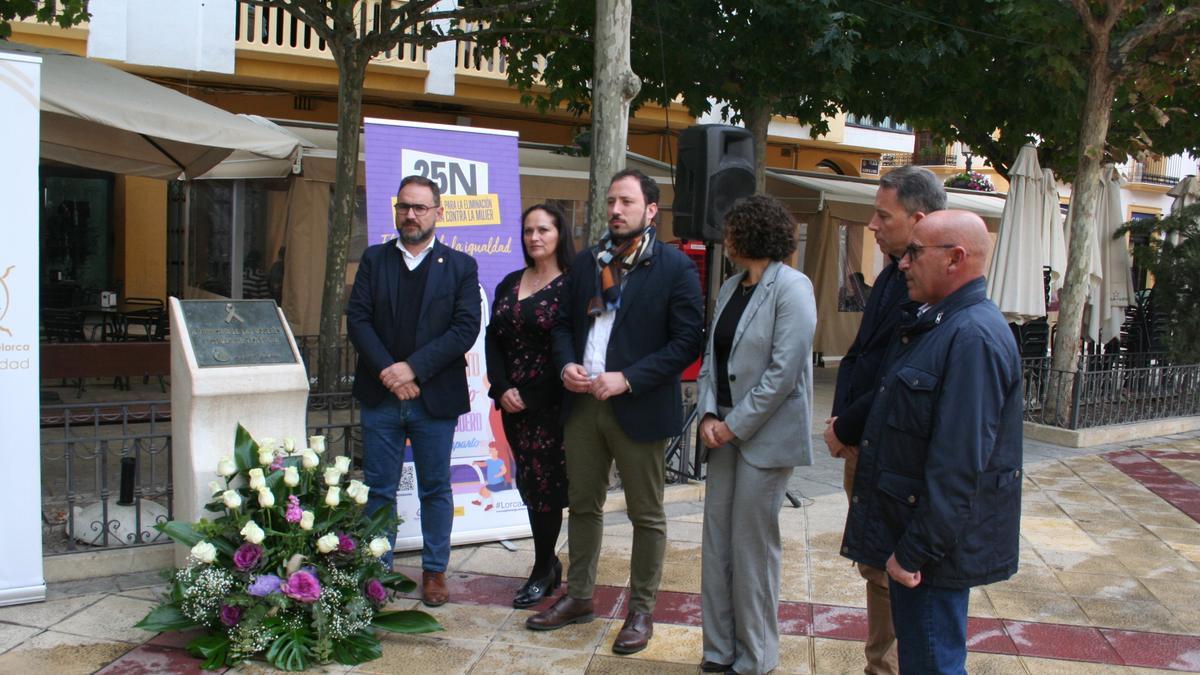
(614, 85)
(352, 69)
(758, 119)
(1102, 83)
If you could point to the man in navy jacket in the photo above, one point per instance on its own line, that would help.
(630, 324)
(413, 314)
(937, 492)
(905, 196)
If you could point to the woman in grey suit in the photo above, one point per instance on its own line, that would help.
(755, 399)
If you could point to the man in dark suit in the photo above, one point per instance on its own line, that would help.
(630, 324)
(904, 197)
(413, 314)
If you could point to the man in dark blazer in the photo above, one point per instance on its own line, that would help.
(630, 325)
(413, 314)
(904, 197)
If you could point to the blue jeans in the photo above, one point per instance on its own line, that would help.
(931, 628)
(386, 428)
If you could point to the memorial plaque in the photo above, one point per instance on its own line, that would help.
(236, 333)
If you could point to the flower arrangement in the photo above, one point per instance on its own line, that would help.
(290, 569)
(970, 180)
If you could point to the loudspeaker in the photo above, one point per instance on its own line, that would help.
(715, 169)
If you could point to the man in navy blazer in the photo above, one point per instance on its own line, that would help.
(413, 314)
(630, 324)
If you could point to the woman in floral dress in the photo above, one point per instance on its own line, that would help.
(527, 389)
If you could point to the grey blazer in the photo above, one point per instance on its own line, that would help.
(770, 370)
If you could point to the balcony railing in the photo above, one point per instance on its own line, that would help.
(273, 31)
(1160, 170)
(894, 159)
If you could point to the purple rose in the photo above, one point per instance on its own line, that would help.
(247, 557)
(345, 543)
(230, 614)
(302, 586)
(264, 585)
(375, 592)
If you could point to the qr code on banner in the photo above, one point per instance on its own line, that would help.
(408, 478)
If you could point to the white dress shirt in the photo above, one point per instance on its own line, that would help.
(411, 261)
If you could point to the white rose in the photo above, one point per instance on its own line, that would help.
(328, 543)
(226, 467)
(306, 520)
(204, 552)
(215, 487)
(232, 499)
(253, 533)
(379, 546)
(309, 459)
(358, 492)
(291, 476)
(257, 480)
(289, 444)
(332, 476)
(266, 456)
(342, 463)
(316, 444)
(266, 443)
(266, 498)
(334, 496)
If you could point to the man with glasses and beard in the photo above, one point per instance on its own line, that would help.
(412, 315)
(630, 324)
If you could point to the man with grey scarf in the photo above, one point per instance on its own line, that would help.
(630, 325)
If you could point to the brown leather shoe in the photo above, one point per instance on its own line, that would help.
(564, 612)
(433, 589)
(635, 634)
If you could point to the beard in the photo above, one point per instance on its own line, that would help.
(420, 236)
(619, 238)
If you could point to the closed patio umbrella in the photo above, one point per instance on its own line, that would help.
(1116, 265)
(100, 117)
(1014, 279)
(1054, 241)
(1186, 192)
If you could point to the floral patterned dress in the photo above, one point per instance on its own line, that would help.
(519, 355)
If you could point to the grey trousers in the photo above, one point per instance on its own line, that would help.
(741, 559)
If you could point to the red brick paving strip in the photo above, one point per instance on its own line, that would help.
(1176, 490)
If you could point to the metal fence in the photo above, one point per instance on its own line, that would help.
(1110, 389)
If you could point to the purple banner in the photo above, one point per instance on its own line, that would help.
(478, 173)
(479, 176)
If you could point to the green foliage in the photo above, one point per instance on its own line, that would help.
(407, 621)
(212, 649)
(63, 13)
(164, 618)
(1176, 270)
(286, 581)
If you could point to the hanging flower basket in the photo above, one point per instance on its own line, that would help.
(970, 180)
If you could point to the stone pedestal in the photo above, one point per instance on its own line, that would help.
(207, 404)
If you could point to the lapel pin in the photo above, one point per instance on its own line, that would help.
(439, 260)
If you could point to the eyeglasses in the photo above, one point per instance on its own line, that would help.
(913, 250)
(419, 209)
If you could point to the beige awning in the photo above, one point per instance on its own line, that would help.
(101, 117)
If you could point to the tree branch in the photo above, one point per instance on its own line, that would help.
(1085, 14)
(1158, 26)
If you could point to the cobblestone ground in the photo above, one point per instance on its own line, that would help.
(1109, 583)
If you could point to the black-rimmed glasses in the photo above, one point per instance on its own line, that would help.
(913, 250)
(419, 209)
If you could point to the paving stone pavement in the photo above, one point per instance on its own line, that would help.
(1109, 583)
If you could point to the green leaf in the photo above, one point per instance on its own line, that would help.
(358, 648)
(164, 618)
(245, 450)
(397, 582)
(213, 648)
(407, 621)
(181, 532)
(291, 650)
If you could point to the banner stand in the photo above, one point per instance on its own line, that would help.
(21, 576)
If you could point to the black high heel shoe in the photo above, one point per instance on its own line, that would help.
(535, 589)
